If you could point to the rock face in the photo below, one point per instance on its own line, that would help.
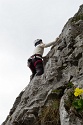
(45, 101)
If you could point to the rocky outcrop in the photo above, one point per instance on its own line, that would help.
(45, 101)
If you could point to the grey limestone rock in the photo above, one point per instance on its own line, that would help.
(42, 101)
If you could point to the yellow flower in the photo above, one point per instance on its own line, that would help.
(77, 89)
(81, 90)
(78, 92)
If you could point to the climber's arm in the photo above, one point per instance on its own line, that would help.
(51, 43)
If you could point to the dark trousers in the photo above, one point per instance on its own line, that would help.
(36, 66)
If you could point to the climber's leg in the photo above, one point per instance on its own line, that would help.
(32, 68)
(33, 71)
(39, 67)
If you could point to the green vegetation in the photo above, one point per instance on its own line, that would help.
(74, 101)
(70, 85)
(78, 102)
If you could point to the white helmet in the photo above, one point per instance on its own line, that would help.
(37, 41)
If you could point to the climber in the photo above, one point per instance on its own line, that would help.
(35, 62)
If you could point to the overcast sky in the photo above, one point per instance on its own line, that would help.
(21, 22)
